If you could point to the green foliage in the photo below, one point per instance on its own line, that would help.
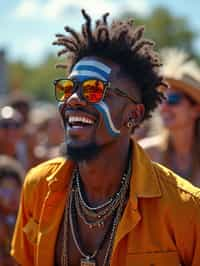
(35, 81)
(166, 29)
(161, 26)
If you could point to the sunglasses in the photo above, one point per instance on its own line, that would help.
(174, 98)
(92, 90)
(10, 125)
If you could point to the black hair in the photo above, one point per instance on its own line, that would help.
(123, 43)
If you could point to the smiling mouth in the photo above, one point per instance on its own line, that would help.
(80, 121)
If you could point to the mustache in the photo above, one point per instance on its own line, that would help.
(63, 108)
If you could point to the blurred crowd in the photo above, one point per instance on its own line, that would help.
(177, 144)
(31, 133)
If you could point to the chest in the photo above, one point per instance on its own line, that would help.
(89, 241)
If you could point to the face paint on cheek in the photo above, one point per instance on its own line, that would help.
(87, 69)
(61, 109)
(104, 110)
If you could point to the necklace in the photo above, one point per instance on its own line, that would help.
(70, 220)
(88, 259)
(96, 216)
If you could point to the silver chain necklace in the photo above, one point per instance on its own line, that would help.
(70, 219)
(96, 217)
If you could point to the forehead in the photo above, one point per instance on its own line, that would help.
(116, 75)
(104, 69)
(91, 67)
(173, 92)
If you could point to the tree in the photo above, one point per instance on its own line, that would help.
(35, 81)
(166, 29)
(161, 26)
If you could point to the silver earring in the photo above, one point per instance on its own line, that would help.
(130, 123)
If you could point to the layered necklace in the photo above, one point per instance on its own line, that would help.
(94, 217)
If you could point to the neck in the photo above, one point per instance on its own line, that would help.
(182, 140)
(101, 177)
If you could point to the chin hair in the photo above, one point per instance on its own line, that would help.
(84, 153)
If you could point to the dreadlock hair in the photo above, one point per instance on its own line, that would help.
(122, 43)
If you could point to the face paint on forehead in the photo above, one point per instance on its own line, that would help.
(87, 69)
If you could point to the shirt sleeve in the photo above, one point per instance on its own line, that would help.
(188, 233)
(195, 247)
(23, 245)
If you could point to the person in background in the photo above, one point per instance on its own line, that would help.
(179, 146)
(22, 104)
(106, 203)
(49, 132)
(11, 178)
(25, 147)
(11, 131)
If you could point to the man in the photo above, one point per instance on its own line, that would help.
(179, 147)
(107, 204)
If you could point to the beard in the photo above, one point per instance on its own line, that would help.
(78, 154)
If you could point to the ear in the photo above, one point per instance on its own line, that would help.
(196, 111)
(138, 113)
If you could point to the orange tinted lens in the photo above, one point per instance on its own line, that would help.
(93, 90)
(64, 89)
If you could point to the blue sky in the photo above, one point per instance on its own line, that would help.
(28, 27)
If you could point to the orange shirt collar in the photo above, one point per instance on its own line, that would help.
(144, 180)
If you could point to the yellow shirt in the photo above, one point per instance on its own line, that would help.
(160, 224)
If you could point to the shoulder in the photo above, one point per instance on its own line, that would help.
(38, 180)
(154, 146)
(178, 191)
(39, 173)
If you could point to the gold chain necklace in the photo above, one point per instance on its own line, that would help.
(69, 220)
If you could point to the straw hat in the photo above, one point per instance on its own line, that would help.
(181, 72)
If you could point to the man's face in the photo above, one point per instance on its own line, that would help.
(85, 126)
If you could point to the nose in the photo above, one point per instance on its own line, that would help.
(76, 99)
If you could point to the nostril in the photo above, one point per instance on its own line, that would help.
(76, 99)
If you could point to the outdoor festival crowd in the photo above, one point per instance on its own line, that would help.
(32, 133)
(28, 136)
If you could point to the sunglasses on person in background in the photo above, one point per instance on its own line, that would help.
(174, 98)
(92, 90)
(10, 125)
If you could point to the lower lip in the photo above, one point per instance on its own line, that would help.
(79, 129)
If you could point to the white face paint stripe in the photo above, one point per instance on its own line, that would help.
(107, 112)
(87, 73)
(94, 63)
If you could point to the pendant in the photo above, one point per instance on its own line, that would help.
(88, 262)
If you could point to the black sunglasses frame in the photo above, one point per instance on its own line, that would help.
(117, 91)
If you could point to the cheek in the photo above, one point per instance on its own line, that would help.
(184, 111)
(116, 107)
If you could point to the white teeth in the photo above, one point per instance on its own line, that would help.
(73, 119)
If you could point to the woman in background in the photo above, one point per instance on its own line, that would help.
(178, 147)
